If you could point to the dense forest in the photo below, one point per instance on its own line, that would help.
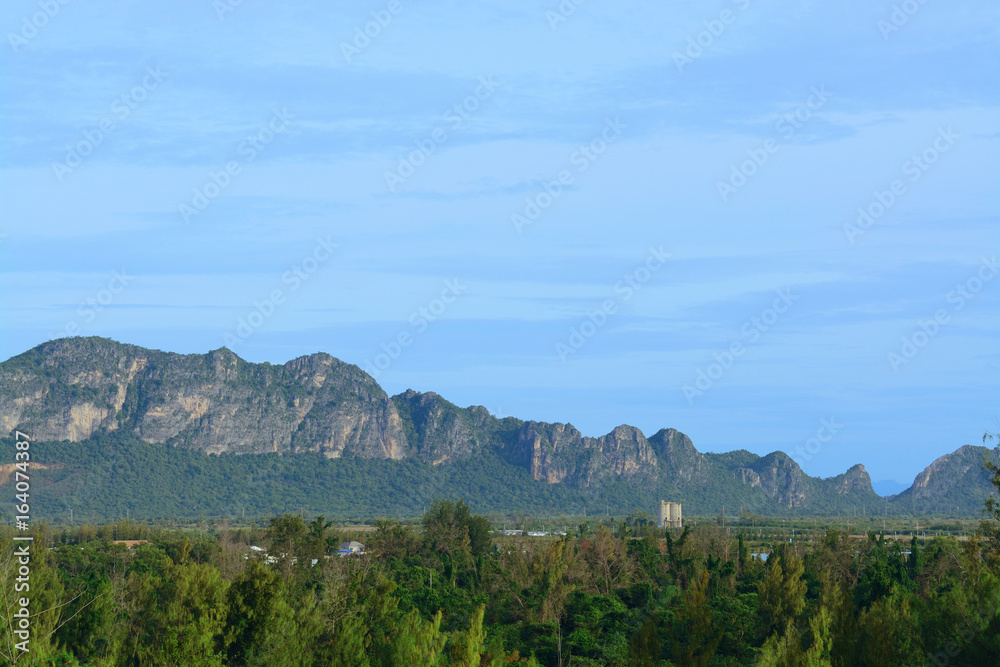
(452, 591)
(116, 476)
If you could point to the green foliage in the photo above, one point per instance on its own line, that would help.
(990, 527)
(114, 475)
(251, 603)
(694, 636)
(883, 570)
(450, 527)
(418, 642)
(467, 646)
(888, 634)
(781, 594)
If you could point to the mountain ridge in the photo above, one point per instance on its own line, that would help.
(77, 389)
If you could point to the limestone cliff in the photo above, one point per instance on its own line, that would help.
(951, 483)
(69, 389)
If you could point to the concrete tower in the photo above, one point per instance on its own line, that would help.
(669, 515)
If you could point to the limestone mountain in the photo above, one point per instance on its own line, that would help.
(95, 391)
(951, 483)
(73, 388)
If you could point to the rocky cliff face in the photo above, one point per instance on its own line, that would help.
(681, 462)
(60, 393)
(949, 471)
(554, 452)
(627, 453)
(855, 480)
(72, 389)
(560, 453)
(951, 482)
(438, 431)
(779, 477)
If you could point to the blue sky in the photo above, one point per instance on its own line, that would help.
(640, 214)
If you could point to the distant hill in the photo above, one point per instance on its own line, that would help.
(953, 484)
(123, 428)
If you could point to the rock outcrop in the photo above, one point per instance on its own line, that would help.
(69, 389)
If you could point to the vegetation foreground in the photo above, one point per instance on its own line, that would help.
(450, 591)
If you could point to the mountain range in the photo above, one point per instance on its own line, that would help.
(100, 406)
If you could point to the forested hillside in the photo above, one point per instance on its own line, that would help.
(115, 476)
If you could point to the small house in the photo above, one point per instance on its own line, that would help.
(351, 548)
(131, 544)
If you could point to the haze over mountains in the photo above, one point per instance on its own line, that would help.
(319, 412)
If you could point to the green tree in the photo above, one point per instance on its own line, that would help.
(317, 542)
(883, 570)
(990, 526)
(550, 587)
(394, 540)
(821, 631)
(450, 527)
(360, 608)
(782, 593)
(284, 531)
(792, 647)
(742, 552)
(888, 636)
(251, 601)
(177, 615)
(349, 643)
(694, 637)
(455, 534)
(914, 564)
(418, 642)
(644, 648)
(467, 645)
